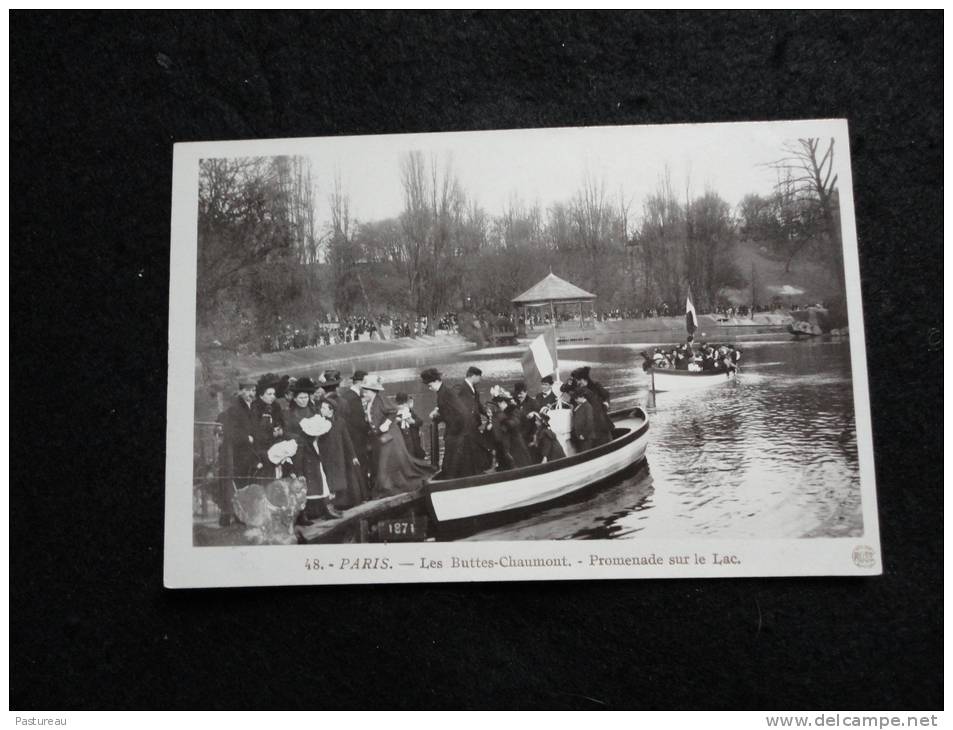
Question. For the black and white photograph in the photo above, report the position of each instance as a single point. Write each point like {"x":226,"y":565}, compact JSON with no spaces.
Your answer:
{"x":464,"y":360}
{"x":624,"y":334}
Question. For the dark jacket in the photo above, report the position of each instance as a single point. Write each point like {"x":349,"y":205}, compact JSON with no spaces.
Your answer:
{"x":341,"y":405}
{"x":293,"y":422}
{"x":266,"y":418}
{"x":471,"y":403}
{"x":356,"y":423}
{"x":527,"y":424}
{"x":509,"y":430}
{"x":601,"y":423}
{"x":547,"y":445}
{"x":583,"y":426}
{"x":307,"y":461}
{"x":547,"y":400}
{"x":452,"y":411}
{"x":462,"y":455}
{"x":238,"y":456}
{"x":337,"y":455}
{"x":411,"y":436}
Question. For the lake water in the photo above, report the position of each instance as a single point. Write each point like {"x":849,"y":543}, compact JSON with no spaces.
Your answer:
{"x":771,"y":455}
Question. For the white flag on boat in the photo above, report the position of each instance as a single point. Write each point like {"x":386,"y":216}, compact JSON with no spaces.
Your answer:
{"x":540,"y":360}
{"x":691,"y":319}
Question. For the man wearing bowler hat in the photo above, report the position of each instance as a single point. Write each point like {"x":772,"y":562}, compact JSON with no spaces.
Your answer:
{"x":329,"y":382}
{"x":458,"y":451}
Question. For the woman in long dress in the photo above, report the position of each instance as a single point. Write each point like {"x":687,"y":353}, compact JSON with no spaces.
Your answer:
{"x":339,"y":458}
{"x":307,"y":461}
{"x":396,"y":469}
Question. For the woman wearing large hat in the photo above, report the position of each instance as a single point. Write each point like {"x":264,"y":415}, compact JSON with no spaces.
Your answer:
{"x":304,"y":428}
{"x":395,"y":469}
{"x":268,"y":417}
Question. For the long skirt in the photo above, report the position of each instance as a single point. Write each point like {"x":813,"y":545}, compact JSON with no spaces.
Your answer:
{"x":396,"y":470}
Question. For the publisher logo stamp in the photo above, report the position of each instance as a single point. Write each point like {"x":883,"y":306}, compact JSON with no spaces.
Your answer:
{"x":863,"y":556}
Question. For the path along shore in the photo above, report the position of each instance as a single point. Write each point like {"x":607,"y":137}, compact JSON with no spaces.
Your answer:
{"x":228,"y":368}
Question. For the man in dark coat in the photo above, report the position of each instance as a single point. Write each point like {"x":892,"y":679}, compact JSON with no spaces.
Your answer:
{"x":357,"y":428}
{"x":459,"y":451}
{"x":237,"y":458}
{"x":527,"y":407}
{"x":470,"y":398}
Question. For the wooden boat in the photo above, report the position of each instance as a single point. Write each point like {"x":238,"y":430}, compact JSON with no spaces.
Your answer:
{"x":668,"y":379}
{"x":496,"y":493}
{"x":803,"y":328}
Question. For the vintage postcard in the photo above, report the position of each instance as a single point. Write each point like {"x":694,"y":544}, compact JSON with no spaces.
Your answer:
{"x":606,"y":352}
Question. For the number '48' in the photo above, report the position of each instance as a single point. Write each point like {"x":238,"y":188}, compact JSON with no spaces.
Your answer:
{"x":313,"y":564}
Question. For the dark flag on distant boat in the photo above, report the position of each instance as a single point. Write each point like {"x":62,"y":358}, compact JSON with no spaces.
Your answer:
{"x":691,"y":319}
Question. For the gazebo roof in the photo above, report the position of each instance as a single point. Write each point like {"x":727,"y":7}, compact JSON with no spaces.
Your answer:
{"x":553,"y":289}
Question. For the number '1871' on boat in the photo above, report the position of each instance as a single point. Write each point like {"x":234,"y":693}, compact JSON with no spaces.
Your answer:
{"x":515,"y":490}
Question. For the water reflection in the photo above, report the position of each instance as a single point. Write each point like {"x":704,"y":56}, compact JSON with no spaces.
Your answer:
{"x":771,"y":454}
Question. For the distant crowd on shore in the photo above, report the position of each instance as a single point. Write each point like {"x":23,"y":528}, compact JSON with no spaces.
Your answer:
{"x":371,"y":328}
{"x":289,"y":336}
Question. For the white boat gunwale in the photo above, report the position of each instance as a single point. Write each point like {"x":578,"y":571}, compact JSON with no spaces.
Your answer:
{"x":477,"y":480}
{"x":691,"y":373}
{"x":700,"y":378}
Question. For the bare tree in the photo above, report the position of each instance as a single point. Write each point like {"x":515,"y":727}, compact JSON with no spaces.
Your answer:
{"x":660,"y":239}
{"x":342,"y":254}
{"x":434,"y":209}
{"x":807,"y":177}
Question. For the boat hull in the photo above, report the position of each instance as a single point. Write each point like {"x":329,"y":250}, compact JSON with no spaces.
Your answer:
{"x":532,"y":486}
{"x":664,"y":381}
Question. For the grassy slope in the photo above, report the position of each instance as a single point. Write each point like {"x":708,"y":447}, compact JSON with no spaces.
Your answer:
{"x":817,"y":281}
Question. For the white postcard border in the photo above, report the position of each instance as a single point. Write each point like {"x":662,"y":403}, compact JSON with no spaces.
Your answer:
{"x":188,"y":566}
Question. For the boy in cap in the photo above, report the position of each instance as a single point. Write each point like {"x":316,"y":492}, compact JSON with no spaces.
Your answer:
{"x":598,"y":398}
{"x":546,"y":398}
{"x":583,"y":423}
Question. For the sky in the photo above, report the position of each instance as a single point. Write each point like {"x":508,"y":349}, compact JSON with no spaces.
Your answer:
{"x":550,"y":165}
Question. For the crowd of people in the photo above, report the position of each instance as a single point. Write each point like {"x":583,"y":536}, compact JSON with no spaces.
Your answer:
{"x":512,"y":429}
{"x":291,"y":337}
{"x":288,"y":336}
{"x":352,"y":443}
{"x":707,"y":358}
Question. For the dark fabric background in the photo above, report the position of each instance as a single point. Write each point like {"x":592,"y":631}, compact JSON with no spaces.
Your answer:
{"x":97,"y":101}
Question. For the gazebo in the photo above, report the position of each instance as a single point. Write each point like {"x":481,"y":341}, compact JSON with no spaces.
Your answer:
{"x":553,"y":292}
